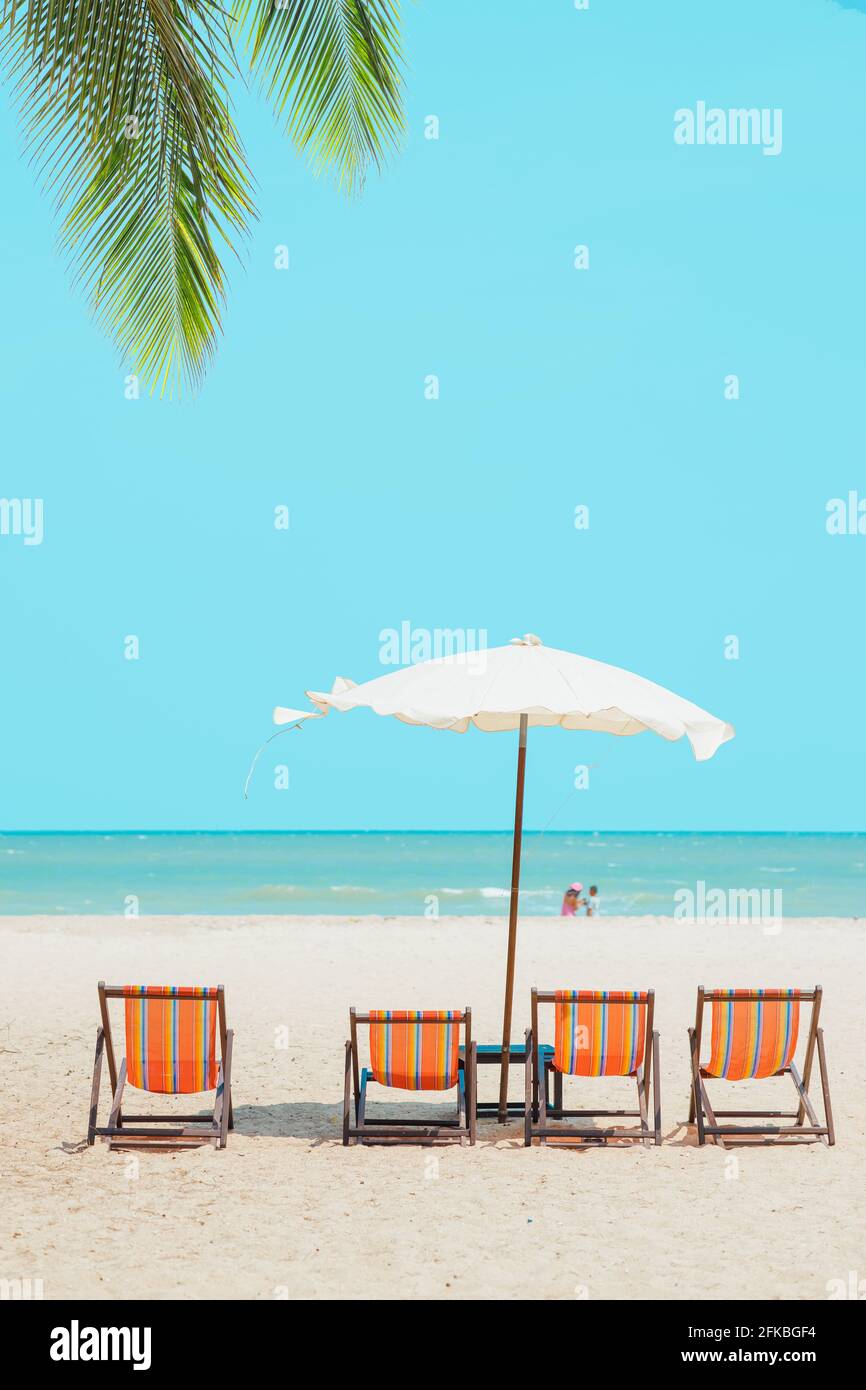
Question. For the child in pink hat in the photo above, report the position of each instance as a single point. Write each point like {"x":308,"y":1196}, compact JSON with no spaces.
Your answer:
{"x":572,"y":900}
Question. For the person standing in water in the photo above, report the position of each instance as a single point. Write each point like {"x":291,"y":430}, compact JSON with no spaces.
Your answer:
{"x":593,"y":902}
{"x":572,"y":900}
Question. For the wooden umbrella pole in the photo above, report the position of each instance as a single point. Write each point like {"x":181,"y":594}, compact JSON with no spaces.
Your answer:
{"x":512,"y":921}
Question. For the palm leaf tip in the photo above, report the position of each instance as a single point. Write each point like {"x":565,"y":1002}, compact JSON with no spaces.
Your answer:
{"x":333,"y":70}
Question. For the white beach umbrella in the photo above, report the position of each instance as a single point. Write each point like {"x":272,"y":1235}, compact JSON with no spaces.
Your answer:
{"x":519,"y":686}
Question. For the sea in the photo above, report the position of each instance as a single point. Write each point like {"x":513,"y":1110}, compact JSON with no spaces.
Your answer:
{"x":423,"y":873}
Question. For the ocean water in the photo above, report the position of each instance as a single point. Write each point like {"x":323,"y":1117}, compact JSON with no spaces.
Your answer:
{"x":387,"y":873}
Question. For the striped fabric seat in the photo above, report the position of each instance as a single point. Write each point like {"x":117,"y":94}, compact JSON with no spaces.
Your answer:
{"x":599,"y":1032}
{"x":752,"y":1038}
{"x":415,"y":1050}
{"x":171,"y":1038}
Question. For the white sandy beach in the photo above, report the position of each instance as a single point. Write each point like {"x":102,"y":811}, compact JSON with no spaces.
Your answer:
{"x":286,"y":1211}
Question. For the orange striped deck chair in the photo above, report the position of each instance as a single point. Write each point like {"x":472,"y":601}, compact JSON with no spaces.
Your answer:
{"x":411,"y":1050}
{"x":753,"y":1036}
{"x":172,"y":1033}
{"x":597,"y":1033}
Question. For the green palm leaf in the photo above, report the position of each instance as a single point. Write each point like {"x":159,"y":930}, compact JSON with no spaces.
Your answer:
{"x":126,"y":114}
{"x":333,"y":67}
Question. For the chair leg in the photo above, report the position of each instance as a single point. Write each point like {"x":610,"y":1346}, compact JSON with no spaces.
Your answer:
{"x":825,"y":1089}
{"x":542,"y":1097}
{"x":361,"y":1108}
{"x":227,"y":1090}
{"x":657,"y":1093}
{"x":115,"y":1120}
{"x":642,"y":1105}
{"x":220,"y":1108}
{"x":696,"y":1111}
{"x":94,"y":1088}
{"x":472,"y":1090}
{"x":347,"y":1094}
{"x":529,"y":1093}
{"x":708,"y":1109}
{"x":535,"y":1081}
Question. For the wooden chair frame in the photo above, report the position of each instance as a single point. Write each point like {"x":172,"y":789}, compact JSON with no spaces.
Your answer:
{"x":537,"y":1094}
{"x":701,"y":1111}
{"x":209,"y":1128}
{"x":411,"y":1131}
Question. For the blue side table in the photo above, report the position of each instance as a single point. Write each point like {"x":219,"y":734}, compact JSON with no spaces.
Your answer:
{"x":490,"y":1055}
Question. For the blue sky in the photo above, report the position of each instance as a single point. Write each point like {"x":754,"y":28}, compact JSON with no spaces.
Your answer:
{"x":558,"y":387}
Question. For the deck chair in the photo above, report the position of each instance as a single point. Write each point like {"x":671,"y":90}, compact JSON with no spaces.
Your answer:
{"x":754,"y":1034}
{"x":411,"y":1050}
{"x":170,"y":1050}
{"x":597,"y":1033}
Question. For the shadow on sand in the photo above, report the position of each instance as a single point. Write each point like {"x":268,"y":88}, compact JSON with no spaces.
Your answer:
{"x":314,"y":1121}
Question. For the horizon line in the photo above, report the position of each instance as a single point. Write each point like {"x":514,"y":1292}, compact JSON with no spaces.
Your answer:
{"x":390,"y":830}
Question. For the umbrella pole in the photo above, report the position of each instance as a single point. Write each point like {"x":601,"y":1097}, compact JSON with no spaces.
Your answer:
{"x":512,"y":921}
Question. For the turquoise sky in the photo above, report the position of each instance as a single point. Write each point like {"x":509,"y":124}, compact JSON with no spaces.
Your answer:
{"x":602,"y":387}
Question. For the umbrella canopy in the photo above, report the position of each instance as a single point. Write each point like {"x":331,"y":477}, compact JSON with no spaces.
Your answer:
{"x":492,"y":688}
{"x":517,"y":687}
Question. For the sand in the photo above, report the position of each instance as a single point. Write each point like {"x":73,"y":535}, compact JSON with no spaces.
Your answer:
{"x":286,"y":1211}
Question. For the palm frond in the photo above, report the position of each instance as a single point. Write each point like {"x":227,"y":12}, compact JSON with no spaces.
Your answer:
{"x":126,"y":113}
{"x":334,"y":68}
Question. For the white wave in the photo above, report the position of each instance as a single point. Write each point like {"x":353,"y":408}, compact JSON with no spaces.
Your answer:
{"x":273,"y":890}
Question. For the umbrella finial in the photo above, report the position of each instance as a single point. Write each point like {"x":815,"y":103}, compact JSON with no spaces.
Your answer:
{"x":528,"y":639}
